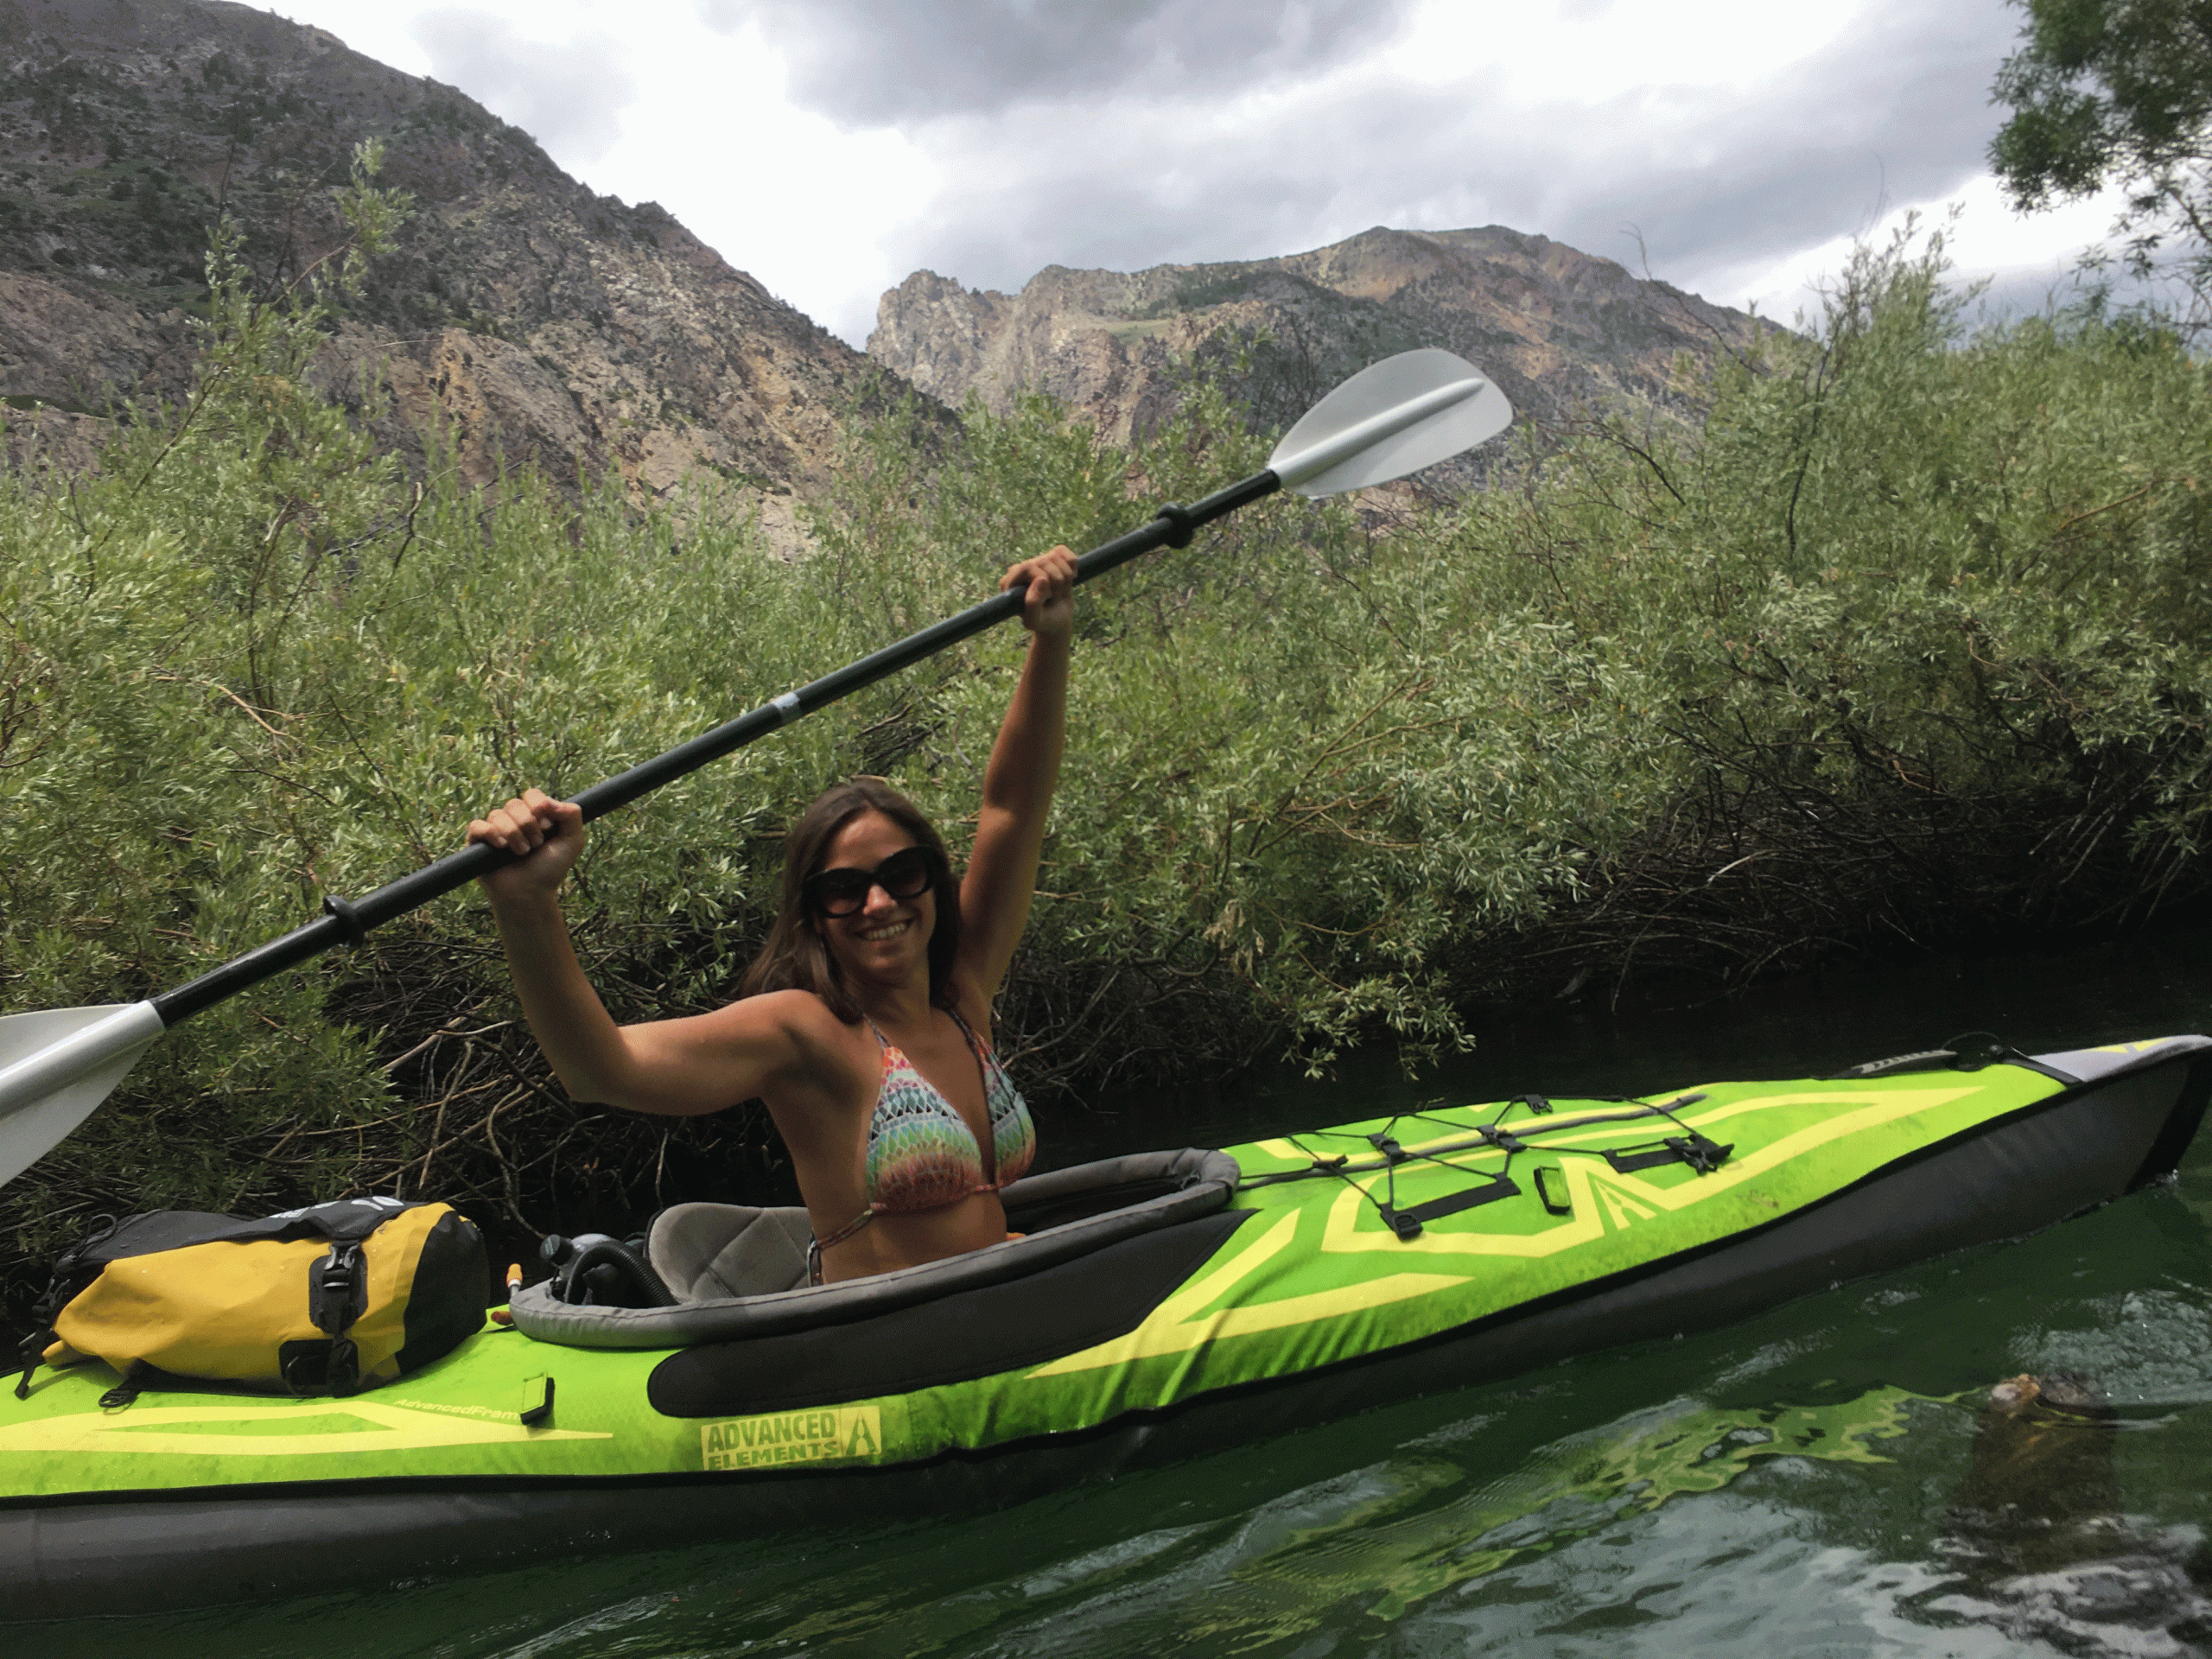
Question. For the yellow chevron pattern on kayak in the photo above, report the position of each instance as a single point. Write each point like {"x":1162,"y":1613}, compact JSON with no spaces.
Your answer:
{"x":1625,"y":1198}
{"x":1180,"y":1325}
{"x":159,"y":1429}
{"x":1177,"y":1325}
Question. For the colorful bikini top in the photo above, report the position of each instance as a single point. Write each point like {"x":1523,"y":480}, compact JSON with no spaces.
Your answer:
{"x":921,"y":1153}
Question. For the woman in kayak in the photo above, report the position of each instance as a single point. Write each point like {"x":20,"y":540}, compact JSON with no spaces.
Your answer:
{"x":866,"y":1020}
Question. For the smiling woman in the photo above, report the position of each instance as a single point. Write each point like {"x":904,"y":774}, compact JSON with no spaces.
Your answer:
{"x":865,"y":1025}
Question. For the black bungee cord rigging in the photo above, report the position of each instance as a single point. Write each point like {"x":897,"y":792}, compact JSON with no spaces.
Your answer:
{"x":1693,"y":1148}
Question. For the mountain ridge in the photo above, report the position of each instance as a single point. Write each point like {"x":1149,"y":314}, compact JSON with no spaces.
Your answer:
{"x":1561,"y":331}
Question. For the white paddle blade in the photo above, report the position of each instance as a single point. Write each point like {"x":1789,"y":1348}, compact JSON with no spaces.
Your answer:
{"x":56,"y":1064}
{"x":1394,"y":417}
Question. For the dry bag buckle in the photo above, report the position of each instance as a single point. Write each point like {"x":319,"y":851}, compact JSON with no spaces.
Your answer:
{"x":338,"y":1294}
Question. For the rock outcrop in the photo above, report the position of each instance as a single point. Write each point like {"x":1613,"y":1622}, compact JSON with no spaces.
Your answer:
{"x":543,"y":323}
{"x":1562,"y":332}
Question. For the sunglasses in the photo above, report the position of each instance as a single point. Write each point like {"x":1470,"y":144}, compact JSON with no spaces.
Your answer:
{"x":906,"y":875}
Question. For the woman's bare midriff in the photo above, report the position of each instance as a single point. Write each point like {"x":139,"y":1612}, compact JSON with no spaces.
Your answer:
{"x":890,"y":1242}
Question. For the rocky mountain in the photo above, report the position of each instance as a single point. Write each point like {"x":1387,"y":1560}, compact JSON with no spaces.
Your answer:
{"x":1561,"y":332}
{"x":543,"y":323}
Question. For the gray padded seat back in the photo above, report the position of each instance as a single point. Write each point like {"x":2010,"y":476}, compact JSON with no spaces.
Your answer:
{"x":708,"y":1252}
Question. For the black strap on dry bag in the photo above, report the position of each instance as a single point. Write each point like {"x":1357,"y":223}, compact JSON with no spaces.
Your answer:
{"x":338,"y":1294}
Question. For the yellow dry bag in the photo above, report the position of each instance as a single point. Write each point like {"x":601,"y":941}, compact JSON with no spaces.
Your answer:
{"x":327,"y":1300}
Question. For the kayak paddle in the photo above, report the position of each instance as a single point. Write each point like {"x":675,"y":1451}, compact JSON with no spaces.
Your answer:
{"x":1394,"y":417}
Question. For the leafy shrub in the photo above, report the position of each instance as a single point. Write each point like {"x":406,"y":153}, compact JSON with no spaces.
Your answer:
{"x":1915,"y":622}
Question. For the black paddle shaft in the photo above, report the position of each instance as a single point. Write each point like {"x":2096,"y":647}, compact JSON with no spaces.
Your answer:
{"x":344,"y":922}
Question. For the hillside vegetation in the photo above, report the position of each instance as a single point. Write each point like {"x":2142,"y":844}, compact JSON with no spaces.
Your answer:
{"x":1907,"y":643}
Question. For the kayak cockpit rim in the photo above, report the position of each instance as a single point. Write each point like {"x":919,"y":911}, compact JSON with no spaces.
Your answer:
{"x":740,"y":1272}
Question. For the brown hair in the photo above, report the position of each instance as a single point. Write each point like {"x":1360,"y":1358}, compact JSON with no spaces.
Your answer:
{"x":794,"y":959}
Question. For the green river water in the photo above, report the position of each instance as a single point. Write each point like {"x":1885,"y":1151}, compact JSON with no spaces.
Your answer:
{"x":1818,"y":1481}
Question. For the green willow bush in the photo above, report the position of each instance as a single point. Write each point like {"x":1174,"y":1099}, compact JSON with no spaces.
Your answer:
{"x":1906,"y":637}
{"x":1916,"y":624}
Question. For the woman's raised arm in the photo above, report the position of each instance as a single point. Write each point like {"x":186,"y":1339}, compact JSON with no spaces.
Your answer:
{"x":683,"y":1066}
{"x":1018,"y":785}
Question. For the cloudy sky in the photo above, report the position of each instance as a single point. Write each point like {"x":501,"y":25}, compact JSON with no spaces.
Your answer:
{"x":830,"y":147}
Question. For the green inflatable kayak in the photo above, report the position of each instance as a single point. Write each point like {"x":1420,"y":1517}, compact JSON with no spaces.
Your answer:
{"x":1160,"y":1305}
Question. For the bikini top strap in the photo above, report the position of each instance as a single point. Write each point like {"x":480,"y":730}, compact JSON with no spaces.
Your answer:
{"x":974,"y":1041}
{"x":988,"y":1070}
{"x":881,"y":1041}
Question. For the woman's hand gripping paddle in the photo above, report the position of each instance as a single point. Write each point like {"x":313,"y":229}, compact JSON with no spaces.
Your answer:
{"x":1403,"y":414}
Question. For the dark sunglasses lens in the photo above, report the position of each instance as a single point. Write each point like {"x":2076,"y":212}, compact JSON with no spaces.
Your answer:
{"x":905,"y":875}
{"x":840,"y":892}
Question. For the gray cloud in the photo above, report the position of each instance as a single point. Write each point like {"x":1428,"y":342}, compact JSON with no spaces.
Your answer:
{"x":875,"y":62}
{"x":568,"y":97}
{"x":1712,"y":182}
{"x":1895,"y":114}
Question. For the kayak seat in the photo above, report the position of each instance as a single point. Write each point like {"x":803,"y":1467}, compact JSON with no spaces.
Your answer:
{"x":738,"y":1273}
{"x":705,"y":1252}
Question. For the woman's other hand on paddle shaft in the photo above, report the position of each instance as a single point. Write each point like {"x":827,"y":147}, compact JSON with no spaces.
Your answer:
{"x":1048,"y":607}
{"x":546,"y":836}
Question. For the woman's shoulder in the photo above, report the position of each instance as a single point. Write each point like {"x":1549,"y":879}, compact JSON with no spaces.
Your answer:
{"x":800,"y":1014}
{"x":814,"y":1052}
